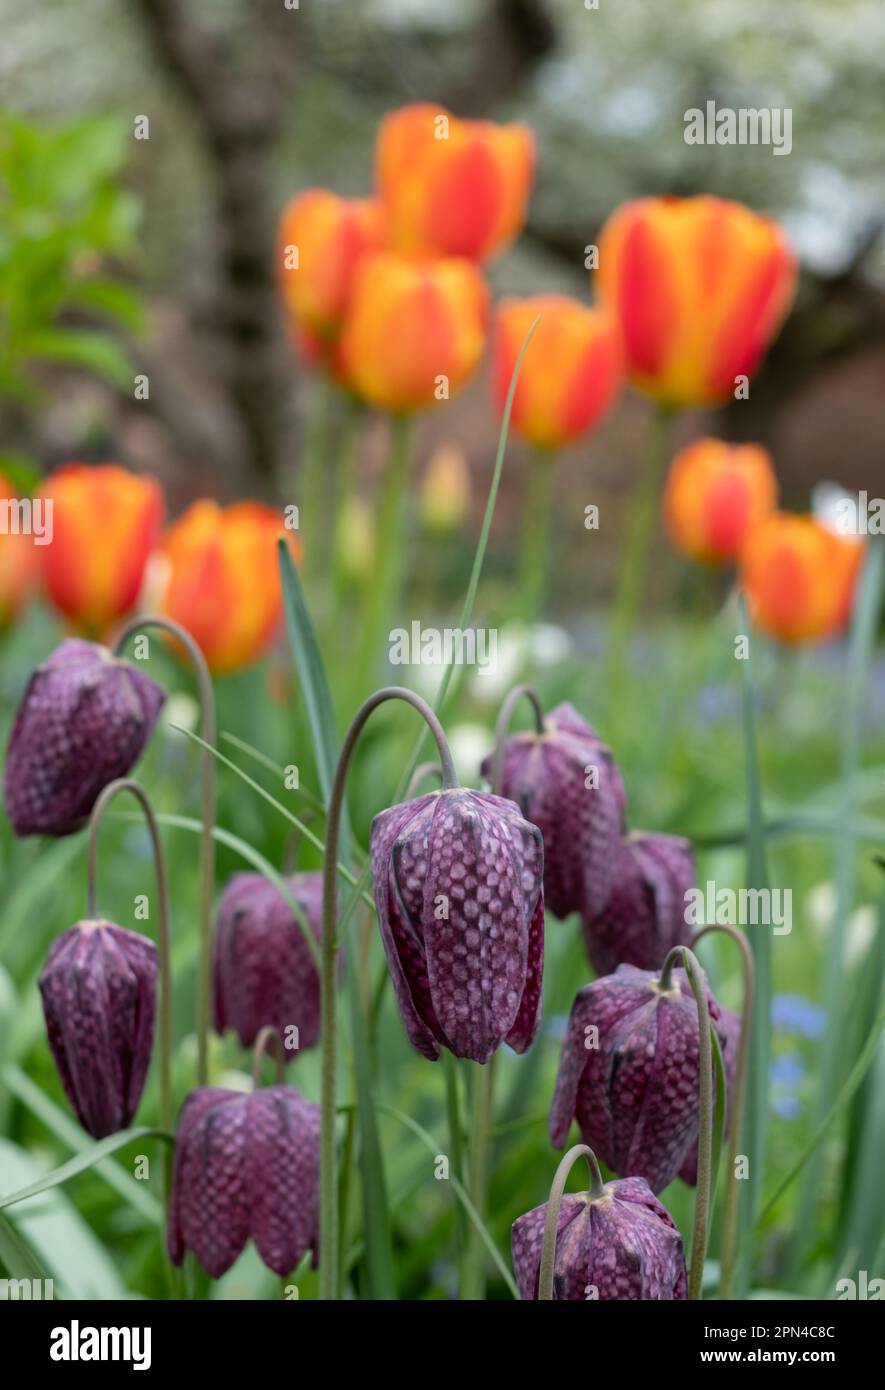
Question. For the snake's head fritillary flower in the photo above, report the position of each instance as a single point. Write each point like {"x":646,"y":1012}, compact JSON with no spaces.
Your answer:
{"x":715,"y":496}
{"x":452,"y":187}
{"x":105,"y":524}
{"x":265,"y":974}
{"x":629,"y":1073}
{"x":218,"y":576}
{"x":457,"y":878}
{"x":414,"y":332}
{"x":99,"y":989}
{"x":645,"y":915}
{"x":245,"y":1165}
{"x":699,"y":287}
{"x":566,"y":782}
{"x":800,"y":577}
{"x":728,"y":1030}
{"x":620,"y":1245}
{"x":571,"y":373}
{"x":321,"y":240}
{"x":83,"y":721}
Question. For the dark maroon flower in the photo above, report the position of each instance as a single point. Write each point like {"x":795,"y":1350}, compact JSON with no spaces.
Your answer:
{"x":84,"y":720}
{"x":265,"y":974}
{"x":99,"y":989}
{"x":645,"y":913}
{"x":622,"y":1245}
{"x":457,"y":879}
{"x":246,"y":1164}
{"x":629,"y":1073}
{"x":728,"y":1030}
{"x":566,"y":782}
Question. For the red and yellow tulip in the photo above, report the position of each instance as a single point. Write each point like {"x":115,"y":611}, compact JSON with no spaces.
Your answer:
{"x":18,"y":564}
{"x":414,"y":331}
{"x":715,"y":496}
{"x":321,"y":241}
{"x":217,"y":574}
{"x":699,"y":287}
{"x":452,"y":187}
{"x":105,"y":523}
{"x":571,"y":373}
{"x":799,"y":577}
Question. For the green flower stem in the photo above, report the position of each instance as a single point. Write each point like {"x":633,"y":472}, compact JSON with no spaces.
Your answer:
{"x":736,"y":1117}
{"x":207,"y":843}
{"x":313,"y":475}
{"x":502,"y":727}
{"x":533,"y":569}
{"x":483,"y":1078}
{"x":382,"y":595}
{"x":456,"y":1140}
{"x":268,"y":1041}
{"x":421,"y":771}
{"x":164,"y":945}
{"x":703,"y":1193}
{"x":633,"y":572}
{"x":554,"y":1202}
{"x":328,"y":1281}
{"x":345,"y":482}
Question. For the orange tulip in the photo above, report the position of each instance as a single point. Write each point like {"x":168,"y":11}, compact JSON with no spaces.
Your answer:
{"x":451,"y":187}
{"x":415,"y":331}
{"x":715,"y":496}
{"x":218,"y":576}
{"x":700,"y":287}
{"x":105,"y":522}
{"x":321,"y":240}
{"x":571,"y":373}
{"x":799,"y":577}
{"x":18,"y":560}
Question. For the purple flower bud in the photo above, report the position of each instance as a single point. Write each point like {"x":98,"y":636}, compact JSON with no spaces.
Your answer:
{"x":246,"y":1164}
{"x":645,"y":913}
{"x":629,"y":1073}
{"x":84,"y":720}
{"x":728,"y":1030}
{"x":566,"y":782}
{"x":99,"y":989}
{"x":265,"y":974}
{"x":622,"y":1245}
{"x":457,"y":879}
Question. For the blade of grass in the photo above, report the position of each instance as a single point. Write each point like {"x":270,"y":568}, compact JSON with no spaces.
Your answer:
{"x":83,"y":1161}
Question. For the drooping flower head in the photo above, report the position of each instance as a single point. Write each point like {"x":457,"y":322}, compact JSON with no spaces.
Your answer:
{"x":265,"y":975}
{"x":245,"y":1165}
{"x":800,"y":577}
{"x":99,"y":989}
{"x":644,"y":916}
{"x":457,"y":878}
{"x":629,"y":1072}
{"x":715,"y":496}
{"x":699,"y":287}
{"x":452,"y":187}
{"x":571,"y":373}
{"x":83,"y":721}
{"x":321,"y":239}
{"x":620,"y":1245}
{"x":105,"y":523}
{"x":566,"y":782}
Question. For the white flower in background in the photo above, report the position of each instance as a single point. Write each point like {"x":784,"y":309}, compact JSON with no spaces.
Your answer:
{"x":469,"y":744}
{"x":182,"y":710}
{"x":520,"y":648}
{"x":831,"y":503}
{"x":860,"y":929}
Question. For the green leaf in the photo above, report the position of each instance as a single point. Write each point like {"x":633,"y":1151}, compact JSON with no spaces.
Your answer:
{"x":80,"y":347}
{"x":16,"y":1256}
{"x":82,"y":1162}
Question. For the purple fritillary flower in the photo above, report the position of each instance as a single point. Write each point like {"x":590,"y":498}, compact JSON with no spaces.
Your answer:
{"x":83,"y":721}
{"x":622,"y":1245}
{"x":645,"y":913}
{"x":457,"y":878}
{"x":265,"y":974}
{"x":246,"y":1164}
{"x":728,"y":1030}
{"x":546,"y":775}
{"x":629,"y":1073}
{"x":99,"y":989}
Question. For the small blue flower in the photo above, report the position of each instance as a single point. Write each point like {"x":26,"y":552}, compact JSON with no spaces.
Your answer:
{"x":793,"y":1013}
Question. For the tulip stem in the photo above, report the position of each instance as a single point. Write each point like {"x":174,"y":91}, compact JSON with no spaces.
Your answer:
{"x":268,"y":1041}
{"x":473,"y":1277}
{"x":502,"y":727}
{"x":703,"y":1193}
{"x":736,"y":1117}
{"x":382,"y":595}
{"x":328,"y":1280}
{"x":345,"y":478}
{"x":164,"y":945}
{"x":313,"y":473}
{"x":633,"y":571}
{"x":554,"y":1202}
{"x":207,"y":842}
{"x":533,"y":571}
